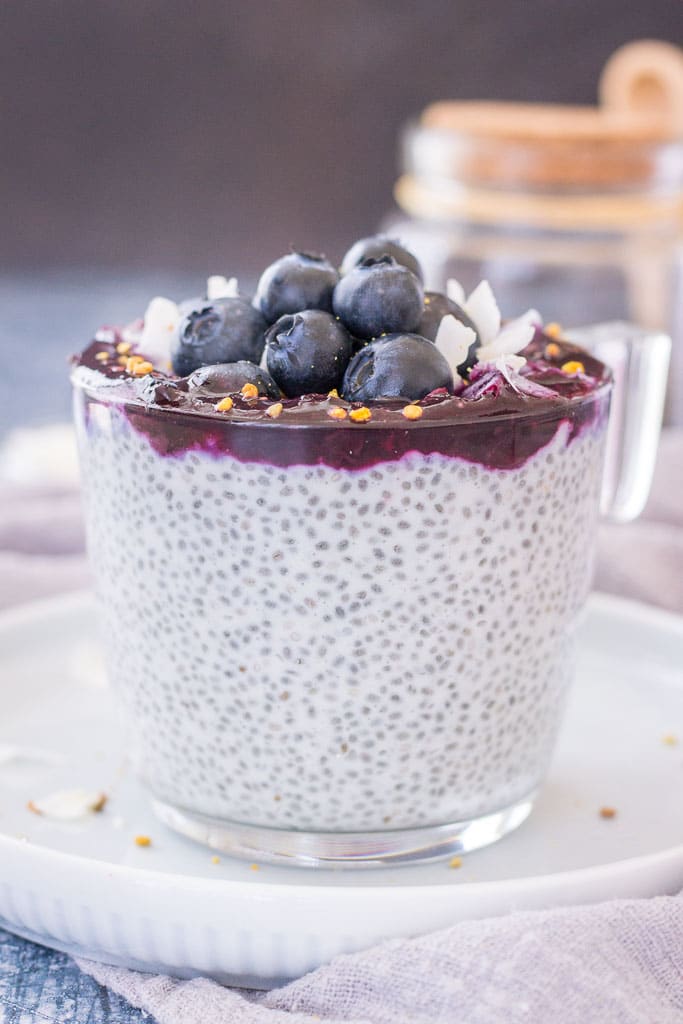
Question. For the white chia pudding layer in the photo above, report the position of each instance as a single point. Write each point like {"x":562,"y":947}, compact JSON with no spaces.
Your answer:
{"x":332,"y":650}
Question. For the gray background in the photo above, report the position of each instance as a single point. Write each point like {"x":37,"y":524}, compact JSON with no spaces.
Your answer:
{"x":154,"y":133}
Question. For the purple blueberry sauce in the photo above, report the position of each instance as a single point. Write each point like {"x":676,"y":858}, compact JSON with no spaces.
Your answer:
{"x":499,"y":425}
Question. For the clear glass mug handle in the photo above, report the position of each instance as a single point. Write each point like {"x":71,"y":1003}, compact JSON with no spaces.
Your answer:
{"x":639,"y":360}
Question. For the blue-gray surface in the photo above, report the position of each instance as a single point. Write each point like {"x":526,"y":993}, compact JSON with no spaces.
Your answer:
{"x":48,"y":316}
{"x":39,"y":986}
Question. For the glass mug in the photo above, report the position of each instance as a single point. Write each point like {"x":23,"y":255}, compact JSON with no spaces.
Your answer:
{"x":351,"y":645}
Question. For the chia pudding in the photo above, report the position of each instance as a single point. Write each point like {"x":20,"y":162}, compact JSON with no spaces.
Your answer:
{"x":332,"y":609}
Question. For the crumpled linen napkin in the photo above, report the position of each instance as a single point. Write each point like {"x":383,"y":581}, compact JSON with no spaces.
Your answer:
{"x":615,"y":962}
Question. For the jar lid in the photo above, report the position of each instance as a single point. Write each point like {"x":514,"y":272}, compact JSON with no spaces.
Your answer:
{"x":546,"y":123}
{"x":629,"y":146}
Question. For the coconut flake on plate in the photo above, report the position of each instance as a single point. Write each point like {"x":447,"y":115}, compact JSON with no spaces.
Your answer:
{"x":69,"y":804}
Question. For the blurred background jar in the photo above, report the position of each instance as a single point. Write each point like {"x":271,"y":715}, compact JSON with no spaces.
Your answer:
{"x":577,"y":211}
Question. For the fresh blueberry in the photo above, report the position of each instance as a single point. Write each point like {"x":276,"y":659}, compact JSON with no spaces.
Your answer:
{"x":295,"y":282}
{"x":379,"y":297}
{"x":436,"y":307}
{"x":401,"y":365}
{"x":308,"y":352}
{"x":212,"y":382}
{"x":222,"y":331}
{"x":374,"y":248}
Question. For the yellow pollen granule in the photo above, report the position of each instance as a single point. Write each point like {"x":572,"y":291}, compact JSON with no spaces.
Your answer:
{"x":123,"y":348}
{"x":130,"y":362}
{"x":552,"y":350}
{"x":573,"y":366}
{"x":143,"y":841}
{"x":455,"y":862}
{"x":254,"y":867}
{"x":140,"y":369}
{"x":101,"y":357}
{"x":553,"y":330}
{"x":225,"y":404}
{"x":361,"y":415}
{"x":215,"y":860}
{"x":411,"y":412}
{"x":670,"y":740}
{"x":333,"y":393}
{"x":608,"y":812}
{"x":337,"y":413}
{"x":274,"y":410}
{"x":249,"y":391}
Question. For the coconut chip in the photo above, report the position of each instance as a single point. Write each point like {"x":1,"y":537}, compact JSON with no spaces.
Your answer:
{"x":219,"y":287}
{"x":453,"y":340}
{"x":69,"y":804}
{"x":161,"y":320}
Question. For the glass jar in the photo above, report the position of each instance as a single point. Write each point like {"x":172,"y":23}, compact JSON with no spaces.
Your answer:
{"x":349,"y":643}
{"x":575,"y":211}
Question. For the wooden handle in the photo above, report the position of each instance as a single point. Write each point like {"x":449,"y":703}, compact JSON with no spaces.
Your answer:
{"x":645,"y":78}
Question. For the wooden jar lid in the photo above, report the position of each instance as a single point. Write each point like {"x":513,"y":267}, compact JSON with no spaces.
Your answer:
{"x":632,"y":143}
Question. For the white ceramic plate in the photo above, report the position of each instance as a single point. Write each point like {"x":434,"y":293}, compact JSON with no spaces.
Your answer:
{"x":87,"y":888}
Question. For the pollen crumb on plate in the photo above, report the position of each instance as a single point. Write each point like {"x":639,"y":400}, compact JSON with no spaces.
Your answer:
{"x":553,"y":329}
{"x":123,"y":348}
{"x":225,"y":404}
{"x":215,"y":859}
{"x":249,"y":390}
{"x":455,"y":862}
{"x":274,"y":410}
{"x":412,"y":412}
{"x":143,"y":841}
{"x":670,"y":740}
{"x":608,"y":812}
{"x":337,"y":413}
{"x":361,"y":415}
{"x":254,"y":867}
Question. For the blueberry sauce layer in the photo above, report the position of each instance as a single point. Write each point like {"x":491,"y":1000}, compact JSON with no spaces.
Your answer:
{"x":491,"y":419}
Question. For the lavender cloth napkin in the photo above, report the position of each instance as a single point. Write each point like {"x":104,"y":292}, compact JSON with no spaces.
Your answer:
{"x":614,"y":963}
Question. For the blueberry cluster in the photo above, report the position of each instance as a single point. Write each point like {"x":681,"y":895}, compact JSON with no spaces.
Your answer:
{"x":366,"y":329}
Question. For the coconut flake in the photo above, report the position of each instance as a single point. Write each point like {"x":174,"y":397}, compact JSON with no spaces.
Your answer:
{"x":509,"y":366}
{"x":105,"y":335}
{"x":69,"y":804}
{"x":512,"y":337}
{"x":482,"y":308}
{"x":162,"y":317}
{"x":455,"y":291}
{"x":219,"y":287}
{"x":453,"y":340}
